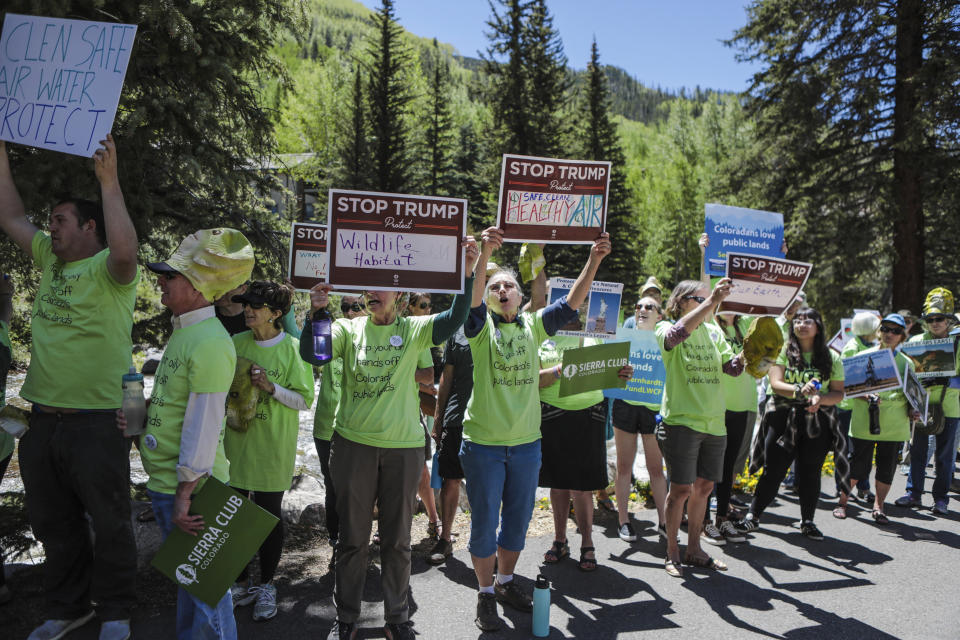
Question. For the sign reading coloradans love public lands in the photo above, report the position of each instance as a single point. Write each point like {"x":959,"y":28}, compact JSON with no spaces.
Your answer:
{"x":207,"y":564}
{"x":740,"y":230}
{"x":551,"y":200}
{"x":395,"y":242}
{"x":649,"y":374}
{"x":593,"y":368}
{"x":60,"y":81}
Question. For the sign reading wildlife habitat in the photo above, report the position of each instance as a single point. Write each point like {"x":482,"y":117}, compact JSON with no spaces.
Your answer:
{"x":741,"y":230}
{"x":395,"y":242}
{"x":207,"y":564}
{"x":60,"y":81}
{"x":308,"y":255}
{"x":593,"y":368}
{"x":597,"y":317}
{"x":870,"y":372}
{"x":932,"y":358}
{"x":550,"y":200}
{"x":649,"y":374}
{"x":763,"y":286}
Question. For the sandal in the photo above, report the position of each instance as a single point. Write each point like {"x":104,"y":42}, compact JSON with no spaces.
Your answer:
{"x":674,"y":569}
{"x":587,"y":564}
{"x":607,"y":505}
{"x":557,"y":552}
{"x":433,"y":529}
{"x":705,"y":563}
{"x":840,"y":512}
{"x":880,"y":517}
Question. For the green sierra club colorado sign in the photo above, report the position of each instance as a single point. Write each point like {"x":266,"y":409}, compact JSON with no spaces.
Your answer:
{"x":208,"y":563}
{"x":593,"y":368}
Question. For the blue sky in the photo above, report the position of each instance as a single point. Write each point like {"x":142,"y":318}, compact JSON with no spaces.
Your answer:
{"x":670,"y":43}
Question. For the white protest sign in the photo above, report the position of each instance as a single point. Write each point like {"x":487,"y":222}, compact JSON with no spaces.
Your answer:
{"x":60,"y":81}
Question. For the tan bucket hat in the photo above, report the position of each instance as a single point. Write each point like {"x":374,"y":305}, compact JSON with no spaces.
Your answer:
{"x":213,"y":260}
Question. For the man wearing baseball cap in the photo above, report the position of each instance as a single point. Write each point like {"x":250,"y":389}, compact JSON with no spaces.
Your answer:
{"x":183,"y":441}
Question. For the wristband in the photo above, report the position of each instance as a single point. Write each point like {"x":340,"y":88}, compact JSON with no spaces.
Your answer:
{"x":796,"y":390}
{"x":556,"y":372}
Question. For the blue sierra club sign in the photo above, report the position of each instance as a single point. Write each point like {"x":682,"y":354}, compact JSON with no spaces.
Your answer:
{"x":60,"y":81}
{"x":743,"y":231}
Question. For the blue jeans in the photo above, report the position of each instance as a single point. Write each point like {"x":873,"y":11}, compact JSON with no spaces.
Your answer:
{"x":195,"y":619}
{"x":944,"y":461}
{"x":495,"y":476}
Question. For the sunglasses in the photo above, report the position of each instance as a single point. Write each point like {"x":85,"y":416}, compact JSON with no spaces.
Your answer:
{"x":896,"y":330}
{"x":936,"y":319}
{"x":698,"y":299}
{"x":170,"y":275}
{"x":254,"y":305}
{"x":648,"y":307}
{"x":424,"y":305}
{"x":355,"y":307}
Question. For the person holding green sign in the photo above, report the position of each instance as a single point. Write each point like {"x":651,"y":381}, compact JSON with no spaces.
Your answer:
{"x":692,"y":434}
{"x":376,"y":452}
{"x":263,"y":451}
{"x":500,"y":453}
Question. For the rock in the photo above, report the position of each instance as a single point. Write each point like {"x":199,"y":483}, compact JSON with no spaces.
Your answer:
{"x":304,"y":502}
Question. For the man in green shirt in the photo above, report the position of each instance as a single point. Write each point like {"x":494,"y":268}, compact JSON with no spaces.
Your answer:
{"x":73,"y":460}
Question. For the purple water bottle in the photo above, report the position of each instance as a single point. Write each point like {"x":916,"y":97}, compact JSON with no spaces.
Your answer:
{"x":322,"y":344}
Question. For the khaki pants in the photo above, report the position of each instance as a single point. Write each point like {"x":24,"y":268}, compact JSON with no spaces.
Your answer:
{"x":364,"y":476}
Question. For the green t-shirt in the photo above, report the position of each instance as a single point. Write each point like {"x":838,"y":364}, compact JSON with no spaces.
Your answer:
{"x":199,"y":358}
{"x":379,"y":405}
{"x":802,"y":376}
{"x":740,"y":392}
{"x":262,"y":458}
{"x":951,"y":399}
{"x":854,"y":346}
{"x":504,"y":409}
{"x":551,"y":354}
{"x":693,"y":393}
{"x":328,"y":397}
{"x":894,"y":419}
{"x":81,"y":324}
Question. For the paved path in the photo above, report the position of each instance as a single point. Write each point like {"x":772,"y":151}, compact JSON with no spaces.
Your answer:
{"x":863,"y":581}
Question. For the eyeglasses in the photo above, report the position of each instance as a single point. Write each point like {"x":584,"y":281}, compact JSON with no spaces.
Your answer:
{"x":698,"y":299}
{"x":896,"y":330}
{"x":424,"y":305}
{"x":936,"y":319}
{"x":355,"y":307}
{"x":648,"y":307}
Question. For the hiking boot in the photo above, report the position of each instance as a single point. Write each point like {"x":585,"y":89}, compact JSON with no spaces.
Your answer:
{"x":730,"y":533}
{"x":907,"y":500}
{"x":342,"y":631}
{"x":440,"y":552}
{"x":487,"y":617}
{"x":115,"y":630}
{"x":399,"y":631}
{"x":627,"y":533}
{"x":56,"y":629}
{"x":712,"y":535}
{"x":266,"y":606}
{"x":810,"y":530}
{"x":513,"y":595}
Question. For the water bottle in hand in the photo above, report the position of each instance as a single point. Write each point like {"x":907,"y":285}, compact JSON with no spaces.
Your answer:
{"x":322,"y":344}
{"x":134,"y":404}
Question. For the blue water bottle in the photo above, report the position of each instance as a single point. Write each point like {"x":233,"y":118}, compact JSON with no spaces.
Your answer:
{"x":322,"y":344}
{"x":541,"y":607}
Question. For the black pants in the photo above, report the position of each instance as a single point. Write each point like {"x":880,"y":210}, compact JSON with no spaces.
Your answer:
{"x":3,"y":470}
{"x":272,"y":548}
{"x":862,"y":460}
{"x":330,"y":497}
{"x":73,"y":464}
{"x":843,"y":417}
{"x":736,"y":422}
{"x":809,"y":455}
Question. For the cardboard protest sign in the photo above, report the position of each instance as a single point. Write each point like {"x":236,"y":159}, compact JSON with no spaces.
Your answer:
{"x":60,"y":81}
{"x":842,"y":337}
{"x":932,"y":358}
{"x":741,"y":230}
{"x":763,"y":286}
{"x":593,"y":368}
{"x":395,"y":242}
{"x":308,"y":255}
{"x":649,"y":374}
{"x":916,"y":394}
{"x":207,"y":564}
{"x":597,"y":317}
{"x":551,"y":200}
{"x":870,"y":372}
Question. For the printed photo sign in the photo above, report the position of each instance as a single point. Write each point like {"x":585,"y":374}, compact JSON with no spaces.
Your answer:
{"x":871,"y":372}
{"x":593,"y":368}
{"x":649,"y":374}
{"x":932,"y":358}
{"x":395,"y":242}
{"x":741,"y":230}
{"x":842,"y":337}
{"x":208,"y":563}
{"x":551,"y":200}
{"x":916,"y":394}
{"x":597,"y":317}
{"x":763,"y":286}
{"x":60,"y":81}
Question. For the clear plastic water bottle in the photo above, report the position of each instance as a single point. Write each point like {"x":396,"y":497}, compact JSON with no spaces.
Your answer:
{"x":134,"y":404}
{"x":322,"y":344}
{"x":541,"y":607}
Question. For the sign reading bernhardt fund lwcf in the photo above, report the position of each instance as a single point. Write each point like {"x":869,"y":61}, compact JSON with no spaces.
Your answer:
{"x":395,"y":242}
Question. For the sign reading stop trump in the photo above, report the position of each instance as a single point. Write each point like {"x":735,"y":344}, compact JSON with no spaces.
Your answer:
{"x":308,"y":255}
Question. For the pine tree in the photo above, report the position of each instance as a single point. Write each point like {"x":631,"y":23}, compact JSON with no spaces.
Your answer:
{"x":355,"y":154}
{"x":440,"y":133}
{"x":509,"y":90}
{"x":546,"y":80}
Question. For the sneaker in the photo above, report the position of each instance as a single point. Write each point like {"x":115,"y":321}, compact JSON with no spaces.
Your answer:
{"x":342,"y":631}
{"x":866,"y":497}
{"x":749,"y":524}
{"x":730,"y":533}
{"x":115,"y":630}
{"x":243,"y":594}
{"x":940,"y":507}
{"x":56,"y":629}
{"x":513,"y":595}
{"x":907,"y":500}
{"x":266,"y":606}
{"x":810,"y":530}
{"x":487,"y":617}
{"x":737,"y":502}
{"x":627,"y":533}
{"x":712,"y":535}
{"x":662,"y":531}
{"x":440,"y":552}
{"x":399,"y":631}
